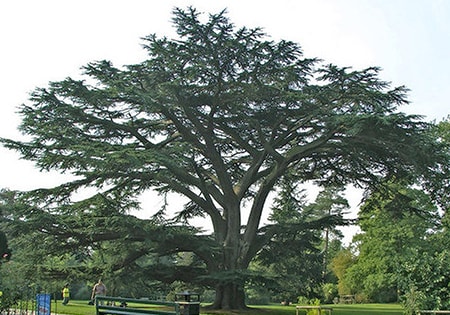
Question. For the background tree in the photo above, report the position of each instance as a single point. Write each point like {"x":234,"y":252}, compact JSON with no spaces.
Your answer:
{"x":416,"y":278}
{"x":330,"y":202}
{"x":293,"y":256}
{"x":440,"y":181}
{"x":340,"y":263}
{"x":396,"y":222}
{"x":5,"y":251}
{"x":219,"y":116}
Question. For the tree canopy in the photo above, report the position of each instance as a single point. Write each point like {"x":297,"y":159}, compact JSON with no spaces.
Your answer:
{"x":219,"y":115}
{"x":397,"y":223}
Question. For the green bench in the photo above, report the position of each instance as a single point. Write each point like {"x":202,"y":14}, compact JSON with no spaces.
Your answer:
{"x":124,"y":306}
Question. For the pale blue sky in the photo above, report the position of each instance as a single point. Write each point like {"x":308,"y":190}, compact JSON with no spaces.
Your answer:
{"x":49,"y":40}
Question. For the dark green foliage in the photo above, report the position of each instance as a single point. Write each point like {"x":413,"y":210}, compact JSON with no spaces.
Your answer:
{"x":296,"y":255}
{"x":5,"y":252}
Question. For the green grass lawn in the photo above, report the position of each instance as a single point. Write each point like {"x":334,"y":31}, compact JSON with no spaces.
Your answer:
{"x":73,"y":308}
{"x":367,"y":309}
{"x":339,"y":309}
{"x":82,"y":308}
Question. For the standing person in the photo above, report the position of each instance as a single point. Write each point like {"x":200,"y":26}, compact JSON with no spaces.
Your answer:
{"x":65,"y":294}
{"x":99,"y":289}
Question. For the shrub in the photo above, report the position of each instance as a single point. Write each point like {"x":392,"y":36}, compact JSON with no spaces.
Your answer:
{"x":413,"y":301}
{"x":330,"y":292}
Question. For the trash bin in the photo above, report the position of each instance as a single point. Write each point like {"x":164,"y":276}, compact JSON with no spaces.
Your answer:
{"x":189,"y":303}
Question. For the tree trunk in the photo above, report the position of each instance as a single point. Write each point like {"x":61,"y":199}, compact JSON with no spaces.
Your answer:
{"x":229,"y":297}
{"x":230,"y":293}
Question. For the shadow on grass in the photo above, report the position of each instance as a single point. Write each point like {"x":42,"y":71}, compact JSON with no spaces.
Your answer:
{"x":82,"y":308}
{"x":339,"y":309}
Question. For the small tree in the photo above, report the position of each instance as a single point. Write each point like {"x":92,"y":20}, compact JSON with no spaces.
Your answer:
{"x":339,"y":265}
{"x":329,"y":202}
{"x":413,"y":301}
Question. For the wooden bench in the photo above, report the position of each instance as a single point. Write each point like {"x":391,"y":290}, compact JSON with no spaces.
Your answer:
{"x":305,"y":308}
{"x":125,"y":306}
{"x":434,"y":312}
